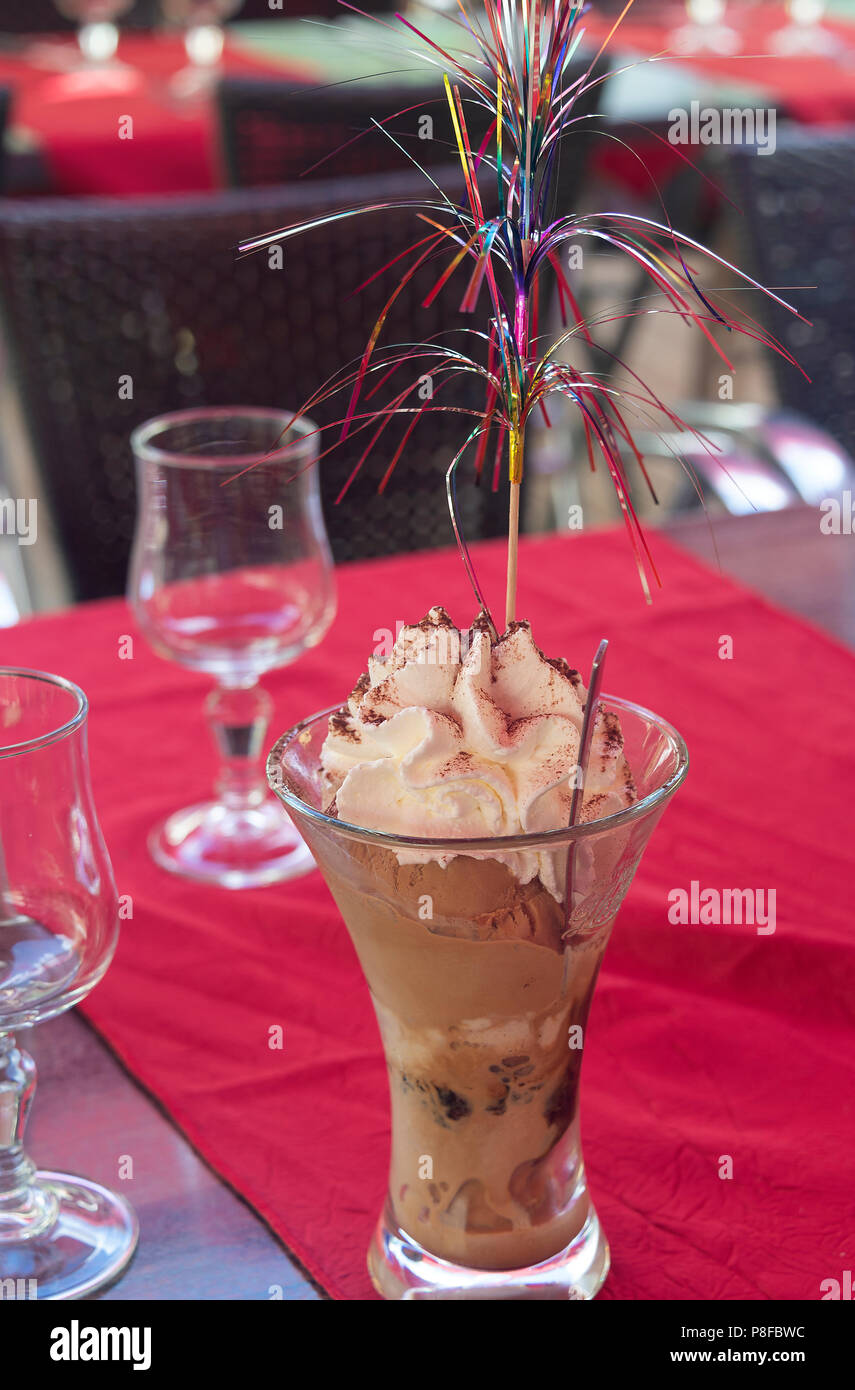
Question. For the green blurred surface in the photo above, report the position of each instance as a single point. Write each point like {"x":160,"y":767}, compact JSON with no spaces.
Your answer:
{"x":345,"y":48}
{"x":352,"y":48}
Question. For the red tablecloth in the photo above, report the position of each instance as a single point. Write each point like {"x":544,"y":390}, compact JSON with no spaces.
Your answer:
{"x":705,"y":1041}
{"x":175,"y":143}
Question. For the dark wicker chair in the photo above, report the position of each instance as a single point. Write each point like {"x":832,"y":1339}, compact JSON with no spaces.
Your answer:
{"x":5,"y":107}
{"x":42,"y":17}
{"x":93,"y":291}
{"x":273,"y":133}
{"x":799,"y":221}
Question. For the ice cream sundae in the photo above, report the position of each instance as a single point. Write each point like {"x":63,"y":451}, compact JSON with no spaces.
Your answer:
{"x":441,"y":790}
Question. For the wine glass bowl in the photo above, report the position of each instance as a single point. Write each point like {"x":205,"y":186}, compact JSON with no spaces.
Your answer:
{"x":231,"y":574}
{"x":58,"y":906}
{"x":705,"y":30}
{"x":97,"y":32}
{"x":58,"y":932}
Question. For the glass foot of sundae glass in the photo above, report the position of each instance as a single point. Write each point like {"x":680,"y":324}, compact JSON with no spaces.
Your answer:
{"x":401,"y":1268}
{"x":436,"y":803}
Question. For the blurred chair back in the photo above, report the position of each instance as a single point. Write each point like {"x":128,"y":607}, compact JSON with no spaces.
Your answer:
{"x":5,"y":107}
{"x":42,"y":17}
{"x":799,"y":218}
{"x":274,"y":133}
{"x":297,"y":9}
{"x":116,"y":311}
{"x":749,"y":458}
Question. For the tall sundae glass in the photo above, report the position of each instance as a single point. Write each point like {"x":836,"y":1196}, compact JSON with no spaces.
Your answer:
{"x":437,"y":805}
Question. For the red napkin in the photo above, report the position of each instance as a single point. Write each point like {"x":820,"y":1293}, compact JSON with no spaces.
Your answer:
{"x":706,"y":1042}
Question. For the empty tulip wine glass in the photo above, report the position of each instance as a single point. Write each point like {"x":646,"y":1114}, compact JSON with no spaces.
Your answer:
{"x":231,"y":574}
{"x":204,"y":40}
{"x":60,"y":1236}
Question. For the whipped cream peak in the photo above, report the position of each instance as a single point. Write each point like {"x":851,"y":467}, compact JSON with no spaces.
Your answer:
{"x":459,"y":735}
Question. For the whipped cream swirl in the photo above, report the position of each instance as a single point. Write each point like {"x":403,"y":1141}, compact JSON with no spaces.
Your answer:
{"x":457,"y":736}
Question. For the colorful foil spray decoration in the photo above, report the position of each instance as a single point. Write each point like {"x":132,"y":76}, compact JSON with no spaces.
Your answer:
{"x":514,"y":60}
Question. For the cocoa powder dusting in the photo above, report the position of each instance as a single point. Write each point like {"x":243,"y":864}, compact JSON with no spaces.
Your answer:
{"x":340,"y":725}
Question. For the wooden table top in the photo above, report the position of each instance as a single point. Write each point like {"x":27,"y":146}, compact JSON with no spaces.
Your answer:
{"x":199,"y":1240}
{"x":787,"y":558}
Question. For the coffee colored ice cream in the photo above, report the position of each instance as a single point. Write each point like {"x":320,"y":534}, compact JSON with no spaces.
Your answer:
{"x":481,"y":990}
{"x":476,"y":1003}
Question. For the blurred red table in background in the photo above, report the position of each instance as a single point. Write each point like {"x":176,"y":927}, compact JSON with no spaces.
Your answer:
{"x":175,"y":146}
{"x":74,"y":117}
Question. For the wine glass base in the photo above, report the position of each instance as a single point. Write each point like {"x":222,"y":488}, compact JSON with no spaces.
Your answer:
{"x":245,"y":848}
{"x":88,"y":1246}
{"x":800,"y":41}
{"x":705,"y":38}
{"x":194,"y":82}
{"x":400,"y":1268}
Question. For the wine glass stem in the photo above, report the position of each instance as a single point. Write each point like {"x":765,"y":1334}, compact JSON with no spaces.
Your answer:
{"x":26,"y":1209}
{"x":239,"y":717}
